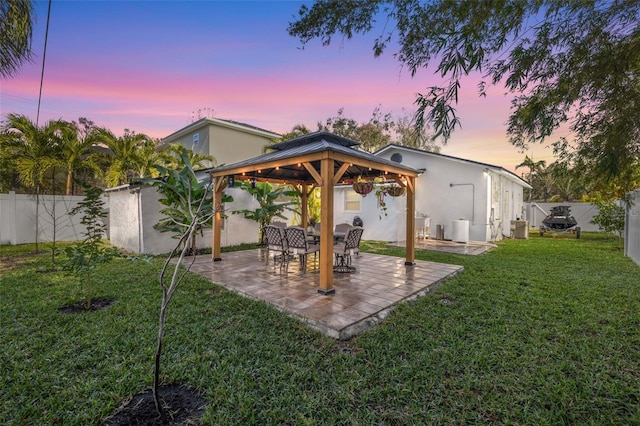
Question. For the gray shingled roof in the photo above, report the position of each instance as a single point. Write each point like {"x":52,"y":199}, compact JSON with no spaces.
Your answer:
{"x":315,"y":143}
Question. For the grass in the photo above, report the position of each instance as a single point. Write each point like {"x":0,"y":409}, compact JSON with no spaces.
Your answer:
{"x":538,"y":331}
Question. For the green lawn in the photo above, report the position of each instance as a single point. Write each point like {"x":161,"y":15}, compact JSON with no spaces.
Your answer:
{"x":539,"y":331}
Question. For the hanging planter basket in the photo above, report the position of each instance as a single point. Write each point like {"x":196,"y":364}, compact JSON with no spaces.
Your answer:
{"x":395,"y":191}
{"x":363,"y":188}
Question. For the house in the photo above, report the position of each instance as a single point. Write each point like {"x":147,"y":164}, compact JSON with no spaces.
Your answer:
{"x":135,"y":209}
{"x":228,"y":141}
{"x":476,"y":201}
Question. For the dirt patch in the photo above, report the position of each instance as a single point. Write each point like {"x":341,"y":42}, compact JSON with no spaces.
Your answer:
{"x":182,"y":407}
{"x":8,"y":262}
{"x":96,"y":305}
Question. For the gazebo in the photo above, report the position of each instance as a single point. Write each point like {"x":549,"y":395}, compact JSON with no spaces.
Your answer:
{"x":322,"y":160}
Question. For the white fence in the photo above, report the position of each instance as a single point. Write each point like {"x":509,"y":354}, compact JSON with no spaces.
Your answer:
{"x":632,"y":228}
{"x":18,"y":218}
{"x":582,"y":212}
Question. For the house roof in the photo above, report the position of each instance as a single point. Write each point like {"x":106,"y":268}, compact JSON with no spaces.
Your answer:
{"x":286,"y":160}
{"x":497,"y":169}
{"x":221,"y":123}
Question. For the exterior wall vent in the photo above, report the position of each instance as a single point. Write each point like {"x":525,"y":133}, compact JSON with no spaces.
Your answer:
{"x":397,"y":157}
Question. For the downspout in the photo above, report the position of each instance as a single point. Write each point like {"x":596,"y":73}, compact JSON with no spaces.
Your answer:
{"x":473,"y":199}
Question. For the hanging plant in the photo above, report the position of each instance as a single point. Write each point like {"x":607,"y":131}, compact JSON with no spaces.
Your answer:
{"x":363,"y":187}
{"x":395,"y":191}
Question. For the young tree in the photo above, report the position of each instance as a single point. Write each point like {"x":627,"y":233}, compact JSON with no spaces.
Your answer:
{"x":575,"y":62}
{"x":83,"y":257}
{"x":189,"y":209}
{"x":610,"y":217}
{"x":16,"y":30}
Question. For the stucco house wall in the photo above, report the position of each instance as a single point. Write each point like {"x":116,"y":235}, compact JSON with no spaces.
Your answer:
{"x":377,"y":225}
{"x":487,"y":196}
{"x":227,"y":141}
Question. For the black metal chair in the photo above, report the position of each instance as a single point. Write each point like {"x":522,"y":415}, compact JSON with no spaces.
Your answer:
{"x":276,"y":243}
{"x":298,"y":244}
{"x":344,"y":251}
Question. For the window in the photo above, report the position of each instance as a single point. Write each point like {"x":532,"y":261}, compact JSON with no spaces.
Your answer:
{"x":352,"y":200}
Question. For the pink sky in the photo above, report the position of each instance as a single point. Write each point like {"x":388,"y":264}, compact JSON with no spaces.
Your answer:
{"x":147,"y":66}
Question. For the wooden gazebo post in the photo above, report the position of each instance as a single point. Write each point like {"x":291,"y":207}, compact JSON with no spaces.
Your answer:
{"x":410,"y":255}
{"x":217,"y":220}
{"x":326,"y":227}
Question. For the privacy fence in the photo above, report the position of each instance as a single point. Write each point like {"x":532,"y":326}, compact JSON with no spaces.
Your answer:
{"x":18,"y":224}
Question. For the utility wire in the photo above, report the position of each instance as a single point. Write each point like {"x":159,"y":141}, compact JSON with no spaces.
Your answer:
{"x":44,"y":57}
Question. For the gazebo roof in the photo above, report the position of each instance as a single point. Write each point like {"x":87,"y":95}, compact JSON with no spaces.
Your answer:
{"x":285,"y":162}
{"x":318,"y":159}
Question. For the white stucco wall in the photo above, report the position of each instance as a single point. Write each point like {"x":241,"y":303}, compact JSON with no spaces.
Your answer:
{"x":451,"y":189}
{"x":134,"y":210}
{"x":18,"y":218}
{"x":124,"y":222}
{"x":376,"y":225}
{"x":632,"y":228}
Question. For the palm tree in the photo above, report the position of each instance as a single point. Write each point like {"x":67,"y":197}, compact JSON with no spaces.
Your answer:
{"x":123,"y":156}
{"x":146,"y":158}
{"x":172,"y":158}
{"x":16,"y":29}
{"x":536,"y":169}
{"x":32,"y":151}
{"x":77,"y":150}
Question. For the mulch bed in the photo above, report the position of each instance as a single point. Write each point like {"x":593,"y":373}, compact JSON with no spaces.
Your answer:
{"x":182,"y":407}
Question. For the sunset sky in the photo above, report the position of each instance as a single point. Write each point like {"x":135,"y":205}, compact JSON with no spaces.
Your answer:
{"x":149,"y":66}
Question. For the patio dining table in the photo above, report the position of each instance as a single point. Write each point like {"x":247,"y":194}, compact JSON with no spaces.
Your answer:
{"x":315,"y":236}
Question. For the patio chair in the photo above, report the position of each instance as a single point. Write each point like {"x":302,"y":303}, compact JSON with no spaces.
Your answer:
{"x":276,"y":243}
{"x":423,"y":226}
{"x":348,"y":248}
{"x":298,"y":244}
{"x":342,"y":228}
{"x":279,"y":224}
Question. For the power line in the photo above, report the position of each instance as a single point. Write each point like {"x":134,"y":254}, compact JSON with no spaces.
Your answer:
{"x":44,"y":57}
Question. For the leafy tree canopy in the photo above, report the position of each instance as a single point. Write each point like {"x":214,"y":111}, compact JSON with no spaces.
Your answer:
{"x":572,"y":62}
{"x":378,"y":132}
{"x":16,"y":30}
